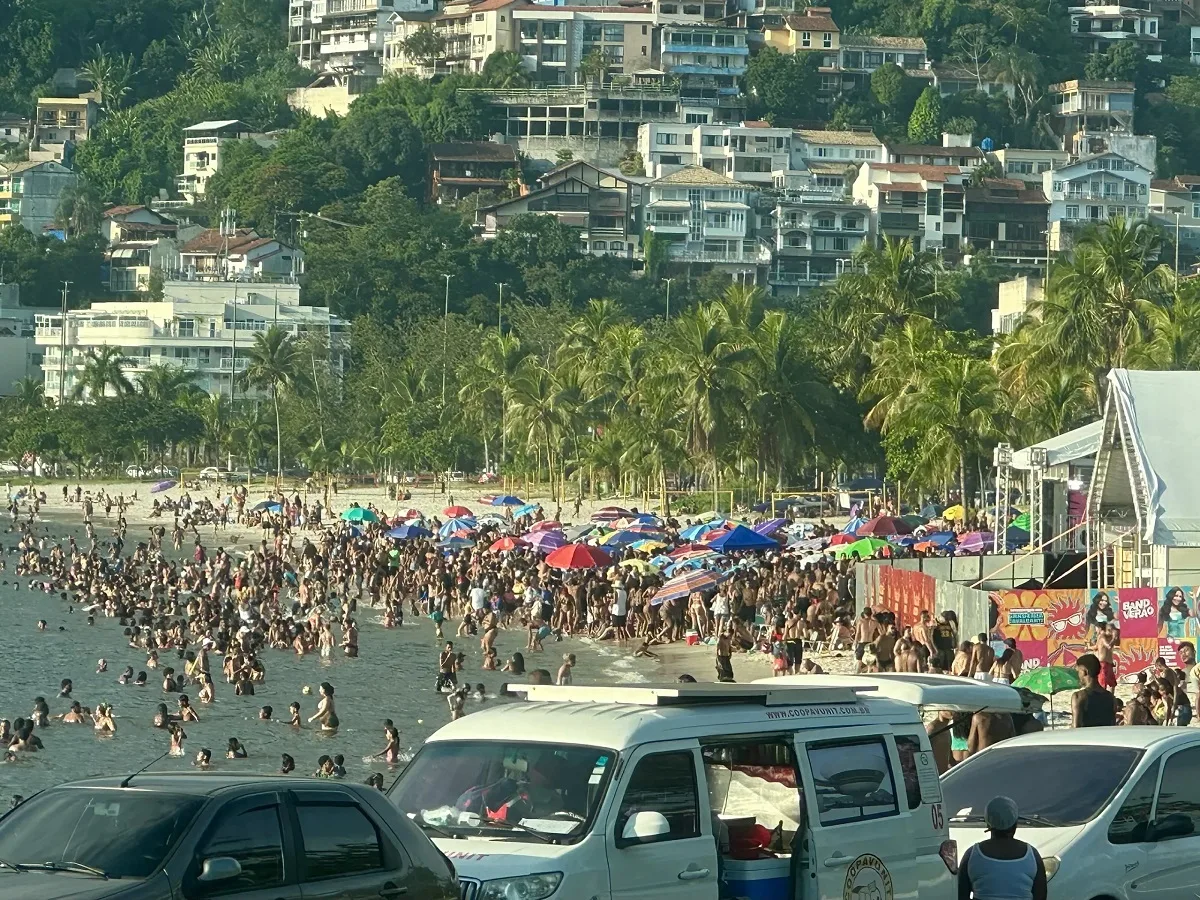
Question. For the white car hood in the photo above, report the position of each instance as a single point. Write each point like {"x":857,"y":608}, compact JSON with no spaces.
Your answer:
{"x":1047,"y":841}
{"x":484,"y":859}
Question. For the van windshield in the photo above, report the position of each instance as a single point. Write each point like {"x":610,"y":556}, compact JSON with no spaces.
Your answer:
{"x":518,"y":790}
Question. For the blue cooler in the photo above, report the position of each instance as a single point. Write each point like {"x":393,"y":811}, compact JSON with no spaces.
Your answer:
{"x":757,"y":879}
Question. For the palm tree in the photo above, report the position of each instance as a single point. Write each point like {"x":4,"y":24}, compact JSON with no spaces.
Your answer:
{"x":1174,"y":341}
{"x":215,"y":410}
{"x":251,"y":432}
{"x":29,"y":393}
{"x":110,"y":76}
{"x":274,"y":365}
{"x":535,"y":411}
{"x":167,"y":384}
{"x":502,"y":69}
{"x":79,"y":209}
{"x":487,"y":383}
{"x":900,"y":359}
{"x":103,"y":368}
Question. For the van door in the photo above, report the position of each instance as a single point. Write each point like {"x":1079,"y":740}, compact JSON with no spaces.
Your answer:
{"x":1174,"y":846}
{"x":860,"y":841}
{"x":679,"y":862}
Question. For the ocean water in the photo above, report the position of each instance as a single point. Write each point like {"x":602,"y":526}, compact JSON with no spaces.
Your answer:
{"x":393,"y":677}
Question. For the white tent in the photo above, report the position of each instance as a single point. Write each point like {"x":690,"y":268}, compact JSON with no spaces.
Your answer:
{"x":1079,"y":443}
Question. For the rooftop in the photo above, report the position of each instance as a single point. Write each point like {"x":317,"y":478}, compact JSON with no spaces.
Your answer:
{"x":1080,"y":84}
{"x":988,"y":191}
{"x":697,"y":175}
{"x":855,"y":138}
{"x":473,"y":151}
{"x":887,"y":43}
{"x":1178,"y":183}
{"x":113,"y":211}
{"x":212,"y":241}
{"x":216,"y":125}
{"x":811,"y":21}
{"x":935,"y":150}
{"x":929,"y":173}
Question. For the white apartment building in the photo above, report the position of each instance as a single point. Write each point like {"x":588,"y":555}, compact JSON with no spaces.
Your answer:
{"x":345,"y":36}
{"x":751,"y":153}
{"x":204,"y":328}
{"x":140,"y":242}
{"x":243,"y":256}
{"x":813,"y":234}
{"x":60,"y":123}
{"x":706,"y":218}
{"x":923,"y":203}
{"x":20,"y":357}
{"x":29,"y":193}
{"x":1175,"y":207}
{"x":1028,"y":165}
{"x":708,"y":63}
{"x":1098,"y":25}
{"x":830,"y":158}
{"x":554,"y":40}
{"x":1094,"y":189}
{"x":202,"y":146}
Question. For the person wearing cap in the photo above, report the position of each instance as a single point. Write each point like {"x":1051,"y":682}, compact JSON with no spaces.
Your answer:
{"x":1001,"y":867}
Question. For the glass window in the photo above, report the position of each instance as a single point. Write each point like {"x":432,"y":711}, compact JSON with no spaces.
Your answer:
{"x":853,"y":781}
{"x":1075,"y":783}
{"x":1129,"y":824}
{"x":255,"y":840}
{"x":664,"y":783}
{"x":908,"y":747}
{"x":1179,"y":792}
{"x":124,"y":833}
{"x":338,"y":840}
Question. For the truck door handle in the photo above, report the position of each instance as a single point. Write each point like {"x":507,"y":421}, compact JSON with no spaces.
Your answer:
{"x":838,"y":859}
{"x":391,"y":890}
{"x":693,"y":874}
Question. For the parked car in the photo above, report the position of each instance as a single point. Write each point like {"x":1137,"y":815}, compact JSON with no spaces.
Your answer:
{"x":161,"y":471}
{"x":212,"y":473}
{"x":192,"y":835}
{"x":135,"y":471}
{"x":456,"y":476}
{"x":489,"y":478}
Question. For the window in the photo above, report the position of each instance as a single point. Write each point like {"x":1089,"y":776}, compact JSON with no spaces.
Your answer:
{"x":614,"y":33}
{"x":1072,"y":212}
{"x":908,"y":748}
{"x":665,"y":783}
{"x":1129,"y":824}
{"x":805,"y":39}
{"x":1179,"y":793}
{"x":255,"y":840}
{"x":825,"y":221}
{"x":666,"y":138}
{"x":1057,"y":186}
{"x":338,"y":840}
{"x":933,"y":203}
{"x":827,"y":40}
{"x":478,"y":17}
{"x":854,"y":781}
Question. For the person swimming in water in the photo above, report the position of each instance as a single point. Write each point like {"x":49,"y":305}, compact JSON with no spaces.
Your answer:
{"x":104,"y":719}
{"x":178,"y":736}
{"x":126,"y":676}
{"x":101,"y":665}
{"x":294,"y":711}
{"x":288,"y":765}
{"x":264,"y":714}
{"x":235,"y":750}
{"x":187,"y":713}
{"x":325,"y":709}
{"x":390,"y":752}
{"x":203,"y":758}
{"x":66,"y":688}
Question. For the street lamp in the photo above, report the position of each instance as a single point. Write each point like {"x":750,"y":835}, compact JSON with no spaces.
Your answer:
{"x":500,"y":315}
{"x":445,"y":337}
{"x":668,"y":281}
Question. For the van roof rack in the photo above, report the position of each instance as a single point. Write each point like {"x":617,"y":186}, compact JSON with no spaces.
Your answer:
{"x":685,"y":694}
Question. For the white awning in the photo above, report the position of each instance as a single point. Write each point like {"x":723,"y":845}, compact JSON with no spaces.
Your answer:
{"x":1080,"y":443}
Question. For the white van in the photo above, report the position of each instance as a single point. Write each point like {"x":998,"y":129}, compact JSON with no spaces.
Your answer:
{"x":695,"y":792}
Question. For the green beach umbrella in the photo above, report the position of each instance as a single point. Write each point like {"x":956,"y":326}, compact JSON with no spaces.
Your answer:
{"x":1021,"y":521}
{"x":865,"y":547}
{"x":359,"y":514}
{"x":914,"y":520}
{"x":1049,"y":680}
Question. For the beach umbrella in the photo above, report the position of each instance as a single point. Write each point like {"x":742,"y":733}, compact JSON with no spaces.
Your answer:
{"x":457,"y":512}
{"x":976,"y":542}
{"x":931,"y":511}
{"x":1049,"y":680}
{"x":742,"y":538}
{"x":453,"y":525}
{"x":842,"y":538}
{"x":160,"y":486}
{"x":410,"y":513}
{"x":640,"y":564}
{"x":1016,"y":537}
{"x":693,"y":532}
{"x":456,"y":543}
{"x":265,"y":505}
{"x":576,"y":532}
{"x":648,"y":545}
{"x":493,"y":519}
{"x":619,"y":539}
{"x":927,"y":546}
{"x":687,"y":565}
{"x":661,"y":560}
{"x":687,"y":583}
{"x":954,"y":512}
{"x":883,"y":526}
{"x":544,"y":541}
{"x":409,"y":533}
{"x":914,"y":520}
{"x":643,"y":528}
{"x":688,"y":548}
{"x":546,"y":525}
{"x":1021,"y":521}
{"x":359,"y":514}
{"x":941,"y":538}
{"x":527,"y":510}
{"x":770,"y":526}
{"x":809,"y":544}
{"x":864,"y":547}
{"x":507,"y":500}
{"x":505,"y":543}
{"x":610,"y":514}
{"x":578,"y":556}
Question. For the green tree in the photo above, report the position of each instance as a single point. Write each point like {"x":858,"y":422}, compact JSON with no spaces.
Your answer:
{"x":79,"y":209}
{"x":503,"y":69}
{"x":424,"y":46}
{"x":925,"y":123}
{"x":103,"y":369}
{"x":274,"y":364}
{"x":784,"y":87}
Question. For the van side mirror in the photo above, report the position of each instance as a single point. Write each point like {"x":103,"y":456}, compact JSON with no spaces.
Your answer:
{"x":219,"y":868}
{"x":643,"y":827}
{"x":1172,"y":826}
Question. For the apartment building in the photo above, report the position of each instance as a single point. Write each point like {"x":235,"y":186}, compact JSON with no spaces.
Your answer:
{"x":242,"y":256}
{"x":59,"y":124}
{"x":474,"y":31}
{"x":1026,"y":164}
{"x":830,"y":158}
{"x":204,"y":328}
{"x":14,"y":129}
{"x":691,"y":12}
{"x":604,"y":205}
{"x":346,"y":36}
{"x":955,"y":150}
{"x":555,"y":40}
{"x":1094,"y":189}
{"x":950,"y":79}
{"x":1007,"y":218}
{"x":813,"y":29}
{"x":1086,"y":113}
{"x":707,"y":221}
{"x":1098,"y":25}
{"x":923,"y":203}
{"x":462,"y":168}
{"x":30,"y":191}
{"x":330,"y":93}
{"x":203,"y":145}
{"x":812,"y":233}
{"x":708,"y":62}
{"x":140,"y":242}
{"x":1016,"y":298}
{"x":1194,"y":44}
{"x":1175,"y":207}
{"x":751,"y":153}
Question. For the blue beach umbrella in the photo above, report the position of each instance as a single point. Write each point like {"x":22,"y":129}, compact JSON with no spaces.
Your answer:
{"x":409,"y":532}
{"x":527,"y":510}
{"x":742,"y":538}
{"x":696,"y":532}
{"x":456,"y":543}
{"x":460,"y":524}
{"x":507,"y":500}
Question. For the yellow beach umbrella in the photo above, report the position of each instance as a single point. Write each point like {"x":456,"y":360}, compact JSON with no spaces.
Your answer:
{"x":954,"y":513}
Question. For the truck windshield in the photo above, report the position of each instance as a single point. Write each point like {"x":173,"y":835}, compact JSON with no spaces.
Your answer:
{"x":124,"y":834}
{"x":519,"y":790}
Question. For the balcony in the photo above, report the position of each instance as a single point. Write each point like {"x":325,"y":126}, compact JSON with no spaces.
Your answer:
{"x":893,"y":221}
{"x":228,"y":365}
{"x":752,"y":252}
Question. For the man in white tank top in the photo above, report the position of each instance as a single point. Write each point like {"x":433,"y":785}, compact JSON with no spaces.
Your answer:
{"x":1001,"y":867}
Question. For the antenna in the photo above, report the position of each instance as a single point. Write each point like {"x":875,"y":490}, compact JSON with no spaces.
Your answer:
{"x":125,"y":782}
